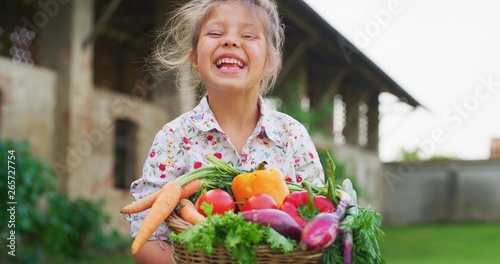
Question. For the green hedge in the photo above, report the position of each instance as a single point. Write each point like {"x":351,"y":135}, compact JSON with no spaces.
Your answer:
{"x":47,"y":225}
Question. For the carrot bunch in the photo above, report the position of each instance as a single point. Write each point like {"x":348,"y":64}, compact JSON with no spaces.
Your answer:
{"x":147,"y":202}
{"x":164,"y":201}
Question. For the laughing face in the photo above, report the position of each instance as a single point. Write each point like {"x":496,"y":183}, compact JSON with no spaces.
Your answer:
{"x":231,"y":51}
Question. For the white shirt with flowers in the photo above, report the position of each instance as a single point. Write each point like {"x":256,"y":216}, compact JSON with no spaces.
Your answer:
{"x":182,"y":145}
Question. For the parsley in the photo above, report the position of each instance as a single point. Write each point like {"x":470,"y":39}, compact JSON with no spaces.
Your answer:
{"x":333,"y":254}
{"x":366,"y":234}
{"x":366,"y":231}
{"x":239,"y":237}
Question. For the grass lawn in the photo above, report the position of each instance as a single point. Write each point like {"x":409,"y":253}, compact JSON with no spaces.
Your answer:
{"x":111,"y":259}
{"x":445,"y":243}
{"x":115,"y":259}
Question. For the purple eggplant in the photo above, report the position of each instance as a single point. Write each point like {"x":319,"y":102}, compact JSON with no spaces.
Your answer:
{"x":278,"y":220}
{"x":321,"y":231}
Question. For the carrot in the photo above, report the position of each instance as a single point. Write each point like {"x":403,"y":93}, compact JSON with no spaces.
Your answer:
{"x":166,"y":202}
{"x":141,"y":204}
{"x":170,"y":195}
{"x":146,"y":202}
{"x":191,"y":188}
{"x":189,"y":213}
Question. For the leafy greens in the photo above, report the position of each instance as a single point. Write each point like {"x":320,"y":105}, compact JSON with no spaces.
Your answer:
{"x":366,"y":231}
{"x":239,"y":237}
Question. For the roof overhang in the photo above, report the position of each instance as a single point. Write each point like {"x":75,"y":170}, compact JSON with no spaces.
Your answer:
{"x":341,"y":50}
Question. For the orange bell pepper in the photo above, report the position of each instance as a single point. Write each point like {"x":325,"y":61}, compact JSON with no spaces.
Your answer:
{"x":269,"y":182}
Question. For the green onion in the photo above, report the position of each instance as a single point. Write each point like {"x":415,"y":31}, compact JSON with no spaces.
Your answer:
{"x":219,"y":169}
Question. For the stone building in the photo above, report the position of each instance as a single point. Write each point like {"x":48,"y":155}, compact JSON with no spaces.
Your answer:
{"x":73,"y":83}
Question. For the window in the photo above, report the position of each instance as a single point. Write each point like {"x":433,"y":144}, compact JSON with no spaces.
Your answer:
{"x":124,"y":153}
{"x":363,"y":124}
{"x":19,"y":24}
{"x":339,"y":120}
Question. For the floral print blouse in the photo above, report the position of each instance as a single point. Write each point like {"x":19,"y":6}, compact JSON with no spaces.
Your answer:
{"x":182,"y":145}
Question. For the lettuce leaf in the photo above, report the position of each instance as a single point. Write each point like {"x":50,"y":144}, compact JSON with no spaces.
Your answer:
{"x":239,"y":237}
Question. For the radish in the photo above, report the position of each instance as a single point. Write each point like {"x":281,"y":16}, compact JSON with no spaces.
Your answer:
{"x":347,"y":243}
{"x":278,"y":220}
{"x":323,"y":229}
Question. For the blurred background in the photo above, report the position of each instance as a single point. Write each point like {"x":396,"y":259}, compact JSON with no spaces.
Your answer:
{"x":404,"y":94}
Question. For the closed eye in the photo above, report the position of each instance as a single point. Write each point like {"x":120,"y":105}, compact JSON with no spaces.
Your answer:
{"x":249,"y":36}
{"x":214,"y":33}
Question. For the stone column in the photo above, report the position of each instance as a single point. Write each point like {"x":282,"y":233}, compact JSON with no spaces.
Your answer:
{"x":61,"y":48}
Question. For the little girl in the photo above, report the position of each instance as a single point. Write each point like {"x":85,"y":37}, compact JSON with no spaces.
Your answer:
{"x":233,"y":49}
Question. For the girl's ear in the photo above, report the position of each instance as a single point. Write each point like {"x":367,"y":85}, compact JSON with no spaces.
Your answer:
{"x":192,"y":58}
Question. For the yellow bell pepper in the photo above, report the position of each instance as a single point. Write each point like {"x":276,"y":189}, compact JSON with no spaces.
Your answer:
{"x":269,"y":182}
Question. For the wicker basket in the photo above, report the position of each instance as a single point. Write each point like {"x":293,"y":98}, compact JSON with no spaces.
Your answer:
{"x":221,"y":256}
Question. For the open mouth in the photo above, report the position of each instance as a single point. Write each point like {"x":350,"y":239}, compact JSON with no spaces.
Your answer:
{"x":229,"y":63}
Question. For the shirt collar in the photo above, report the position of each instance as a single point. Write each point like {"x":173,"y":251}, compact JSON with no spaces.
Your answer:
{"x":203,"y":118}
{"x":267,"y":123}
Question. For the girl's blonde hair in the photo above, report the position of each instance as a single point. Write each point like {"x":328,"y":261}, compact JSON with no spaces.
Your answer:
{"x":182,"y":32}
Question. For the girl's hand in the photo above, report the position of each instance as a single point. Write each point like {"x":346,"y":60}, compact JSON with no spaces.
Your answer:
{"x":155,"y":252}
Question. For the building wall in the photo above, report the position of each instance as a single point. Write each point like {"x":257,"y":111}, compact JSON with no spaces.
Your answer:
{"x":28,"y":114}
{"x":27,"y":107}
{"x":440,"y":191}
{"x":366,"y":167}
{"x":68,"y":122}
{"x":96,"y":177}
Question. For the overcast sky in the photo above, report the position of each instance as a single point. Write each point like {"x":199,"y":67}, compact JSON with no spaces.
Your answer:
{"x":446,"y":54}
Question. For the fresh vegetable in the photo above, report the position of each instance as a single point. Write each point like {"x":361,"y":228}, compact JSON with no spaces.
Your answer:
{"x":189,"y":213}
{"x":366,"y":231}
{"x":323,"y":229}
{"x":219,"y":199}
{"x":191,"y":188}
{"x":269,"y":182}
{"x":239,"y":237}
{"x":146,"y":202}
{"x":320,"y":232}
{"x":330,"y":179}
{"x":297,"y":187}
{"x":362,"y":226}
{"x":170,"y":195}
{"x":167,"y":199}
{"x":259,"y":201}
{"x":347,"y":242}
{"x":140,"y":205}
{"x":278,"y":220}
{"x":303,"y":206}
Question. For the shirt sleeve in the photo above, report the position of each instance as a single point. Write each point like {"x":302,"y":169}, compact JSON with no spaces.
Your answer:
{"x":163,"y":164}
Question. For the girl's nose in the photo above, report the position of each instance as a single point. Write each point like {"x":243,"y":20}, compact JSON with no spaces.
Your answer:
{"x":227,"y":44}
{"x":230,"y":41}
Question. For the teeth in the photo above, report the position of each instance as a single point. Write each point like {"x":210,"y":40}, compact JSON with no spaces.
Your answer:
{"x":229,"y":61}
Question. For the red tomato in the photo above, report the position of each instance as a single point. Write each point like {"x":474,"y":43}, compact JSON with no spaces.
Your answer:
{"x":219,"y":199}
{"x":259,"y":201}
